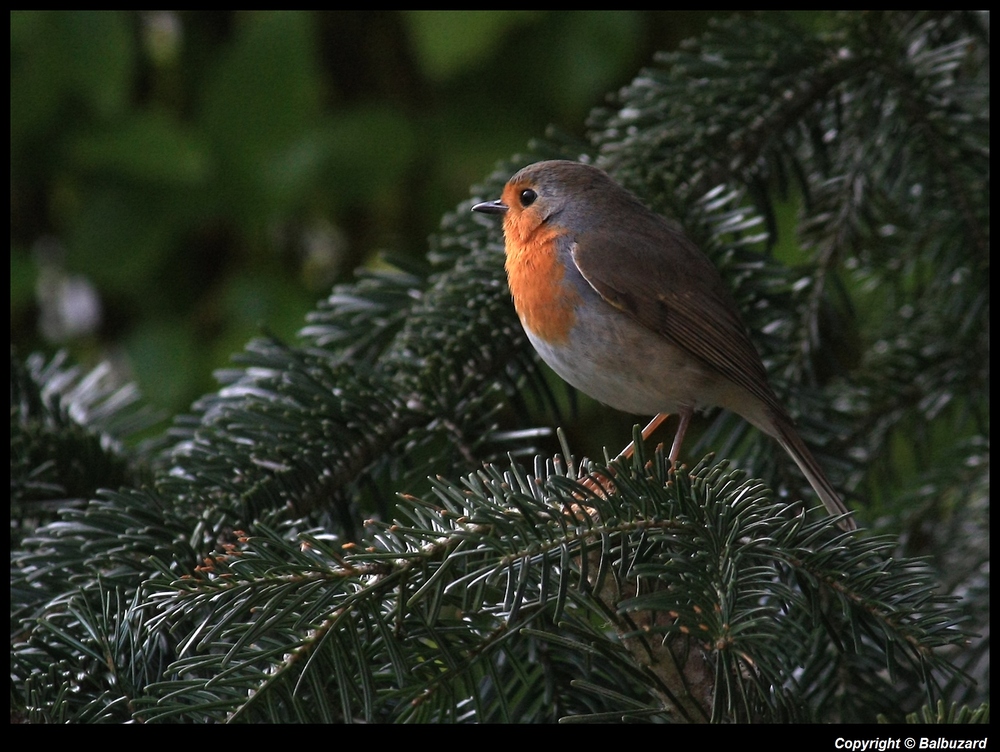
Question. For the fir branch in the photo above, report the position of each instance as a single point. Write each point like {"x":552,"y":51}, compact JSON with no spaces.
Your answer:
{"x":68,"y":433}
{"x":705,"y":580}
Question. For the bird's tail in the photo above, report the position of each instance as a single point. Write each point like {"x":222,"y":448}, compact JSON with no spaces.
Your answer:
{"x":792,"y":443}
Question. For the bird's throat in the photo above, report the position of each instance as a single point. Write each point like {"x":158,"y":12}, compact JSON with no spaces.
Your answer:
{"x":545,"y":301}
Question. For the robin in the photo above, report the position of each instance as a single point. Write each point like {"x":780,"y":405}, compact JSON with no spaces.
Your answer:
{"x":623,"y":306}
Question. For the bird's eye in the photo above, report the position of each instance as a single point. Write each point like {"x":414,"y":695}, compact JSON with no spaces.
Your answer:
{"x":528,"y":197}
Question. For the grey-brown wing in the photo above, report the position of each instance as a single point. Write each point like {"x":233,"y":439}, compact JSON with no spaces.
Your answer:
{"x":665,"y":283}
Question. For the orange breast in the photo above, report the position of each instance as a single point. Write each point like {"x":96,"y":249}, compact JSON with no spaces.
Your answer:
{"x":544,"y":300}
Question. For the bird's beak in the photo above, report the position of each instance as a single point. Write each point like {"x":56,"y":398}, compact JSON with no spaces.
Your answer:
{"x":491,"y":207}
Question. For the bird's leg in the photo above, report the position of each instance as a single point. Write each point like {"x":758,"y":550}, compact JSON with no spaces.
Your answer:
{"x":675,"y":448}
{"x":601,"y":488}
{"x":650,"y":427}
{"x":682,"y":427}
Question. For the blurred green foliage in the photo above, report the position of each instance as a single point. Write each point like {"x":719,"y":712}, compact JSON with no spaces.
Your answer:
{"x":198,"y":178}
